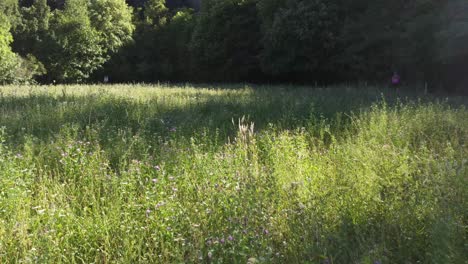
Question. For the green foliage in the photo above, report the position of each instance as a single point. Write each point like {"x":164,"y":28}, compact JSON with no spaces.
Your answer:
{"x":9,"y":9}
{"x":299,"y":37}
{"x":13,"y":68}
{"x":8,"y":59}
{"x":243,"y":40}
{"x":157,"y":174}
{"x":226,"y":41}
{"x":155,"y":12}
{"x":113,"y":20}
{"x":75,"y":51}
{"x":174,"y":46}
{"x":379,"y":37}
{"x":32,"y":34}
{"x":160,"y":50}
{"x":74,"y":42}
{"x":453,"y":34}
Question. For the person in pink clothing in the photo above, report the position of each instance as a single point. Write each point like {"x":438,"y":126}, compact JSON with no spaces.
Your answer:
{"x":396,"y":80}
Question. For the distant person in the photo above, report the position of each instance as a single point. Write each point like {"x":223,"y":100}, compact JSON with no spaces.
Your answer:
{"x":396,"y":79}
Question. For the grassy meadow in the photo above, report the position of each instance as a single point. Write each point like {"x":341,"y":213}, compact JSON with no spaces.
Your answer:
{"x":231,"y":174}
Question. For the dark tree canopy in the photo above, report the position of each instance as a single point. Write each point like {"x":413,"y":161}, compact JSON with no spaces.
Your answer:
{"x":302,"y":41}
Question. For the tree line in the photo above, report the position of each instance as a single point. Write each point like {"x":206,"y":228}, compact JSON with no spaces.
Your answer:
{"x":305,"y":41}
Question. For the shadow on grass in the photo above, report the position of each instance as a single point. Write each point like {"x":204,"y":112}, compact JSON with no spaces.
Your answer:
{"x":285,"y":108}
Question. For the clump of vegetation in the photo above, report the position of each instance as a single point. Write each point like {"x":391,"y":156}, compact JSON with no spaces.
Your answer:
{"x":267,"y":175}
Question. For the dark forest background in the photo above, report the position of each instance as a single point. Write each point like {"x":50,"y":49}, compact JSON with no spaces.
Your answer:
{"x":267,"y":41}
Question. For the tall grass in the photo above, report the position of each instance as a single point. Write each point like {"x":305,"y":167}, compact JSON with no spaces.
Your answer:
{"x":156,"y":174}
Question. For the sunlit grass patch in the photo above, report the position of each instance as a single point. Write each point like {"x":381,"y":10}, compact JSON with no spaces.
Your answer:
{"x":160,"y":174}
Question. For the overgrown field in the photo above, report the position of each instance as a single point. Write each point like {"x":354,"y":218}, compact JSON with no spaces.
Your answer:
{"x":155,"y":174}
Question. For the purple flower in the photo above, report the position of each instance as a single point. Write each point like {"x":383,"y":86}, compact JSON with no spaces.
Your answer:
{"x":265,"y":232}
{"x":148,"y":211}
{"x":377,"y":262}
{"x":222,"y":241}
{"x":230,"y":238}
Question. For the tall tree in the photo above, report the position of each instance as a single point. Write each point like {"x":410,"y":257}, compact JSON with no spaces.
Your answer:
{"x":10,"y":11}
{"x":75,"y":41}
{"x":8,"y":59}
{"x":14,"y":68}
{"x":299,"y":37}
{"x":75,"y":51}
{"x":227,"y":40}
{"x":32,"y":33}
{"x":113,"y":20}
{"x":452,"y":43}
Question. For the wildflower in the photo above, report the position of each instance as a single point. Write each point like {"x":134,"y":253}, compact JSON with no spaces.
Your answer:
{"x":222,"y":241}
{"x":148,"y":211}
{"x":265,"y":232}
{"x":154,"y":180}
{"x":173,"y":129}
{"x":377,"y":262}
{"x":230,"y":238}
{"x":171,"y":178}
{"x":210,"y":255}
{"x":157,"y":167}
